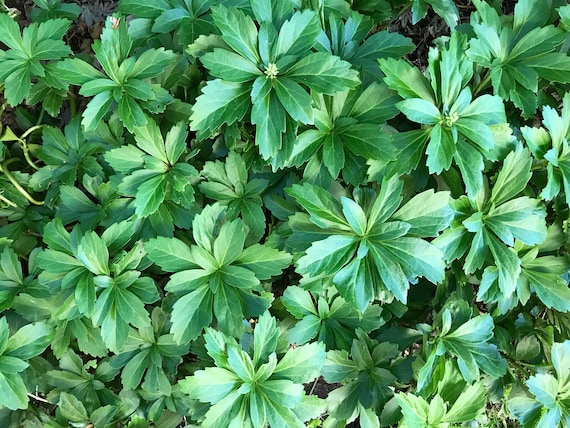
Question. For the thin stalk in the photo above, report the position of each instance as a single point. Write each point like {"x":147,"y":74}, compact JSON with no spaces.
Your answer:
{"x":18,"y":186}
{"x":42,"y":112}
{"x":7,"y":201}
{"x":25,"y":148}
{"x":484,"y":84}
{"x":72,"y":104}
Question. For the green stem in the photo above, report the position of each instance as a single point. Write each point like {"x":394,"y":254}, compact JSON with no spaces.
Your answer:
{"x":7,"y":201}
{"x":25,"y":148}
{"x":484,"y":84}
{"x":41,"y":117}
{"x":18,"y":186}
{"x":72,"y":104}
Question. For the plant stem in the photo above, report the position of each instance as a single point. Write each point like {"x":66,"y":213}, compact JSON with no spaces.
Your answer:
{"x":18,"y":186}
{"x":482,"y":85}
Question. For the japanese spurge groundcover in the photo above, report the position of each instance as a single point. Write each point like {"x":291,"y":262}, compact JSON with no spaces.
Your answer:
{"x":285,"y":213}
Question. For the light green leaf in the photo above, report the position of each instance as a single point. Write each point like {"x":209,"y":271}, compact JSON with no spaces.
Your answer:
{"x":238,"y":31}
{"x":296,"y":101}
{"x":406,"y":79}
{"x":210,"y":385}
{"x":93,"y":253}
{"x":440,"y":149}
{"x":327,"y":256}
{"x":325,"y":211}
{"x":229,"y":243}
{"x":427,"y":213}
{"x":298,"y":34}
{"x":13,"y":392}
{"x":149,"y":139}
{"x":29,"y":341}
{"x":513,"y":176}
{"x":420,"y":111}
{"x":354,"y":215}
{"x":265,"y":338}
{"x":355,"y":284}
{"x":333,"y":154}
{"x":468,"y":405}
{"x":170,"y":254}
{"x":221,"y":102}
{"x":97,"y":108}
{"x":324,"y":73}
{"x":190,"y":314}
{"x":230,"y":66}
{"x":269,"y":117}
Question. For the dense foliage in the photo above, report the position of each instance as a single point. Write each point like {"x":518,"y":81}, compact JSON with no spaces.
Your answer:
{"x":240,"y":213}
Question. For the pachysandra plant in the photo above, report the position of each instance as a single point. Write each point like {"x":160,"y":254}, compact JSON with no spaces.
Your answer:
{"x":485,"y":229}
{"x":32,"y":57}
{"x":367,"y":379}
{"x":284,"y":213}
{"x":125,"y":83}
{"x":550,"y":405}
{"x":229,"y":184}
{"x":551,"y":145}
{"x":216,"y":277}
{"x":112,"y":292}
{"x":258,"y":385}
{"x":328,"y":317}
{"x":155,"y":171}
{"x":373,"y":247}
{"x":457,"y":127}
{"x":16,"y":349}
{"x":520,"y":53}
{"x":268,"y":70}
{"x":348,"y":132}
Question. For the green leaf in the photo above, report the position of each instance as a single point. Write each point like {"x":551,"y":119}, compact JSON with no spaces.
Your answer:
{"x":469,"y":343}
{"x":325,"y":211}
{"x":406,"y":79}
{"x":149,"y":139}
{"x":221,"y":102}
{"x":209,"y":385}
{"x":420,"y":111}
{"x":92,"y":252}
{"x":440,"y":149}
{"x":97,"y":108}
{"x":170,"y":254}
{"x":229,"y":243}
{"x":324,"y":73}
{"x":131,"y":113}
{"x":333,"y":154}
{"x":29,"y":341}
{"x":78,"y":72}
{"x":327,"y":256}
{"x":238,"y":31}
{"x":470,"y":163}
{"x":355,"y":284}
{"x":71,"y":408}
{"x":369,"y":141}
{"x":269,"y":117}
{"x":427,"y":213}
{"x":151,"y":63}
{"x":296,"y":101}
{"x":13,"y":392}
{"x":263,"y":261}
{"x":298,"y":34}
{"x":190,"y":314}
{"x":513,"y":176}
{"x":230,"y":66}
{"x":468,"y":405}
{"x":265,"y":338}
{"x":354,"y":215}
{"x":11,"y":35}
